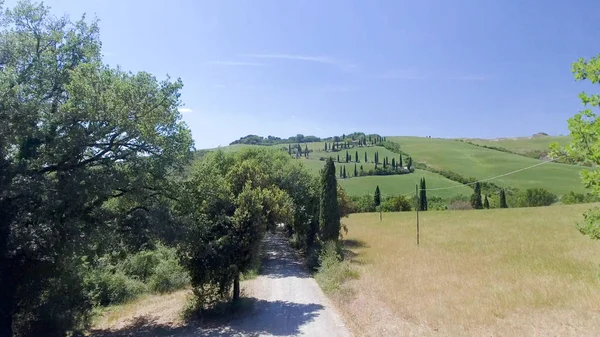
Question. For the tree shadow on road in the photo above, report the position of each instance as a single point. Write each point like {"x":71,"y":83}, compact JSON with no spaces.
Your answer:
{"x":277,"y":318}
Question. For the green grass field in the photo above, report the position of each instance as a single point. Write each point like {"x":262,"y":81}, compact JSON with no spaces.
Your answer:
{"x":403,"y":184}
{"x":502,"y":272}
{"x":523,"y":144}
{"x":481,"y":163}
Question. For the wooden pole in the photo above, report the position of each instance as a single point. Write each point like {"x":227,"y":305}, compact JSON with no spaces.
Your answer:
{"x":418,"y":206}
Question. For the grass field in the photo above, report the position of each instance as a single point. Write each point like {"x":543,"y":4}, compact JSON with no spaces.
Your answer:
{"x":473,"y":161}
{"x":403,"y":184}
{"x":513,"y":272}
{"x":523,"y":144}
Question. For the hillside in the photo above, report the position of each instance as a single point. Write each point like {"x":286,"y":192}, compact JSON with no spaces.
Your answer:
{"x":522,"y":145}
{"x":474,"y":161}
{"x":465,"y":159}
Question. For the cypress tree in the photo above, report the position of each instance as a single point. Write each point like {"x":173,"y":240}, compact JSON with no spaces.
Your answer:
{"x":329,"y":215}
{"x":306,"y":151}
{"x":355,"y":170}
{"x":401,"y":166}
{"x":325,"y":146}
{"x":290,"y":149}
{"x":476,"y":197}
{"x":347,"y":156}
{"x":338,"y":158}
{"x":361,"y":169}
{"x":356,"y":156}
{"x":366,"y":161}
{"x":345,"y":176}
{"x":409,"y":164}
{"x":503,"y":199}
{"x":394,"y":163}
{"x":377,"y":197}
{"x":423,"y":195}
{"x":486,"y":203}
{"x":341,"y":172}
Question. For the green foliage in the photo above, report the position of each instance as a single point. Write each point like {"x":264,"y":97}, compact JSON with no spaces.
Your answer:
{"x":396,"y":204}
{"x":422,"y":195}
{"x":591,"y":224}
{"x":364,"y":204}
{"x":377,"y":197}
{"x":271,"y":140}
{"x":476,"y":197}
{"x":534,"y":197}
{"x":329,"y":218}
{"x":579,"y":198}
{"x":85,"y":153}
{"x":503,"y":203}
{"x":333,"y":270}
{"x":486,"y":202}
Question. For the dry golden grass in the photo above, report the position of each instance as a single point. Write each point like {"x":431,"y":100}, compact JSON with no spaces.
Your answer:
{"x":476,"y":273}
{"x":160,"y":309}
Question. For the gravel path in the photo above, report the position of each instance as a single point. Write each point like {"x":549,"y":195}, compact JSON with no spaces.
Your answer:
{"x":288,"y":301}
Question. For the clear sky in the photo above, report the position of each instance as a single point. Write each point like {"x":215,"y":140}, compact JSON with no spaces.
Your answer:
{"x":460,"y":68}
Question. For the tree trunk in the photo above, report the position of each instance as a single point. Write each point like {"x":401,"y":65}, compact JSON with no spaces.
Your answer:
{"x":236,"y":287}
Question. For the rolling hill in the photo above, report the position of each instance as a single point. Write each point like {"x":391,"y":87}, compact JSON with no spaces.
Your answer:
{"x":481,"y":163}
{"x":460,"y":157}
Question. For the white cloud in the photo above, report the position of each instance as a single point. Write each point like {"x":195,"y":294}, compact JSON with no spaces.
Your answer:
{"x":343,"y":65}
{"x":185,"y":110}
{"x":236,"y":64}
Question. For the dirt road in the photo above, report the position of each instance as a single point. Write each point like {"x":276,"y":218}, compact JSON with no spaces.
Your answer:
{"x":283,"y":301}
{"x":288,"y":301}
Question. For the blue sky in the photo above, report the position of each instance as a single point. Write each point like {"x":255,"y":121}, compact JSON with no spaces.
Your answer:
{"x":473,"y":68}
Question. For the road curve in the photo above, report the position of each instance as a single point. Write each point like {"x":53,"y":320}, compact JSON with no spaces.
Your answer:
{"x":287,"y":300}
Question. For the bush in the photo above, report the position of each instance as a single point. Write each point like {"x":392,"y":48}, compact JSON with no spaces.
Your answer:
{"x":364,"y":204}
{"x":168,"y":276}
{"x":534,"y":197}
{"x":396,"y":204}
{"x":578,"y":198}
{"x":333,"y":271}
{"x":460,"y":204}
{"x":109,"y":285}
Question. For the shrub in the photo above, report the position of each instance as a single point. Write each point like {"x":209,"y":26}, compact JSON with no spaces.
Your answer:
{"x":333,"y":271}
{"x":460,"y":205}
{"x":109,"y":285}
{"x":168,"y":276}
{"x":578,"y":198}
{"x":535,"y":197}
{"x":364,"y":204}
{"x":396,"y":204}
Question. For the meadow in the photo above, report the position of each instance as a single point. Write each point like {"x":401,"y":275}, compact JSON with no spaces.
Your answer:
{"x":523,"y":145}
{"x":502,"y":272}
{"x":481,"y":163}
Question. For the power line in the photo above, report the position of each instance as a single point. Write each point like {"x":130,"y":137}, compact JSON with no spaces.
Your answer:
{"x":482,"y":180}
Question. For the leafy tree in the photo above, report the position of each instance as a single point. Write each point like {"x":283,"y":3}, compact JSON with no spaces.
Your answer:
{"x":476,"y":197}
{"x":85,"y":150}
{"x":377,"y":197}
{"x":361,"y":169}
{"x":329,"y":216}
{"x":503,"y":199}
{"x":584,"y":130}
{"x":535,"y":197}
{"x":486,"y":202}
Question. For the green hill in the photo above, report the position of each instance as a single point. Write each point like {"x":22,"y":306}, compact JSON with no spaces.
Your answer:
{"x":522,"y":145}
{"x":481,"y":163}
